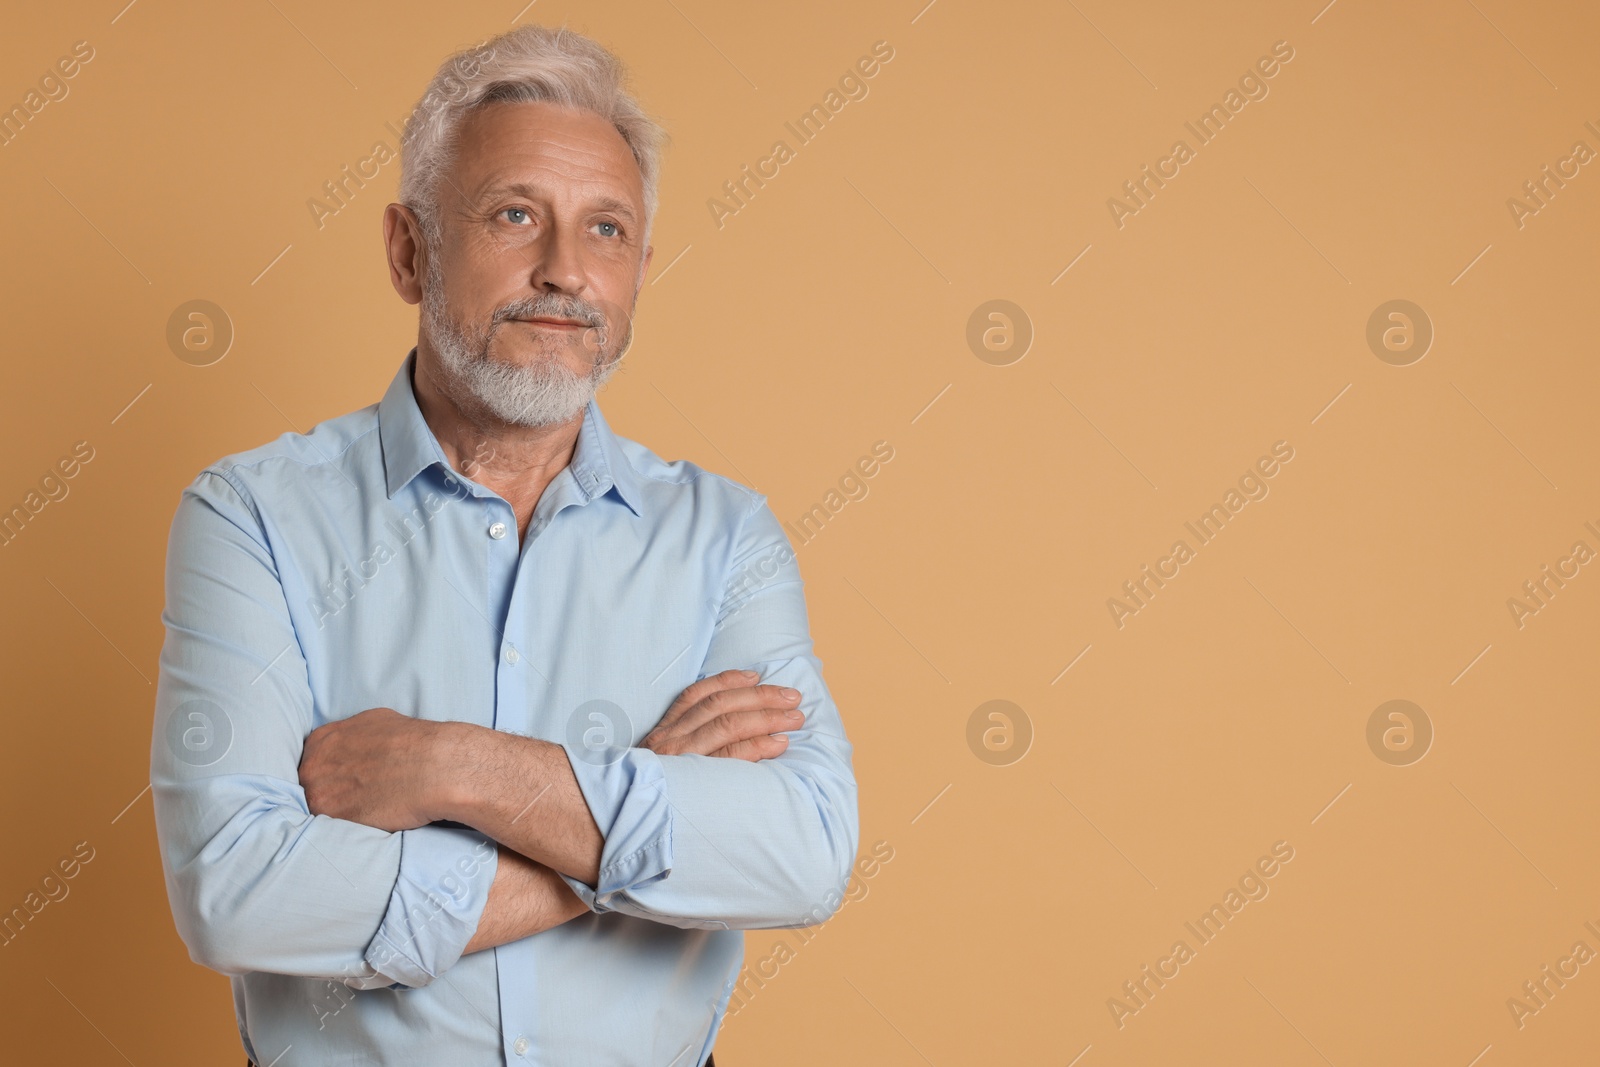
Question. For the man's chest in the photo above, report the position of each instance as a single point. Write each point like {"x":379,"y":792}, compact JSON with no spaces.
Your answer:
{"x":437,"y":611}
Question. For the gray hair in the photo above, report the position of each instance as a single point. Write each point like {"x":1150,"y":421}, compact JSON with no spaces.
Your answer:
{"x":527,"y":64}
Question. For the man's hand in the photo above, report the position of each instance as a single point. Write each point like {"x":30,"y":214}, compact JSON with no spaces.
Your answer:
{"x":728,"y":714}
{"x":376,"y":768}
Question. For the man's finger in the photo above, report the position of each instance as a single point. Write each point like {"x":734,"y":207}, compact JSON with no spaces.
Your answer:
{"x":704,"y":688}
{"x":737,"y":726}
{"x":756,"y":749}
{"x":730,"y":701}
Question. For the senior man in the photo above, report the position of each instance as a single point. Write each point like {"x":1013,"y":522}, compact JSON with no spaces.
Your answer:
{"x":482,"y":731}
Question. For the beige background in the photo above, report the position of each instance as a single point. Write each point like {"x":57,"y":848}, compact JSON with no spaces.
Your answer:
{"x":1230,"y":313}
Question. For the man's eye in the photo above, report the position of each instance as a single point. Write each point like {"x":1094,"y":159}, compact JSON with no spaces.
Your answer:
{"x":614,"y":230}
{"x":517,"y":215}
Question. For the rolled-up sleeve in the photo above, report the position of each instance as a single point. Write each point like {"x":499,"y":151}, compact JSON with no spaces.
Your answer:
{"x":256,"y":882}
{"x":707,"y":842}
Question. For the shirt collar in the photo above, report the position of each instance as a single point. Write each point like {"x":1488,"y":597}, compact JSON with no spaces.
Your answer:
{"x":410,"y":447}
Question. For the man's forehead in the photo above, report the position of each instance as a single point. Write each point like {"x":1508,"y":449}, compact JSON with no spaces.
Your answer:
{"x":528,"y":145}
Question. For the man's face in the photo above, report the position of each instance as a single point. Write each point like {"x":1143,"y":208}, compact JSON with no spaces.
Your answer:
{"x":528,"y":302}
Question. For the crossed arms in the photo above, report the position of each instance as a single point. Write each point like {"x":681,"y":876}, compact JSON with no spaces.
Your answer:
{"x":384,"y":769}
{"x":321,"y":852}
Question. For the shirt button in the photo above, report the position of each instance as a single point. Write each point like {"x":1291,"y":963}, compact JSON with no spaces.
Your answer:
{"x":497,"y":531}
{"x":520,"y":1046}
{"x":511,"y":655}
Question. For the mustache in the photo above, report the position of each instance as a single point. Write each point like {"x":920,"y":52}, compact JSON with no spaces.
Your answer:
{"x":549,"y":305}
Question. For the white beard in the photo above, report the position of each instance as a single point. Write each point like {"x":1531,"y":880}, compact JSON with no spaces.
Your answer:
{"x":544,"y":393}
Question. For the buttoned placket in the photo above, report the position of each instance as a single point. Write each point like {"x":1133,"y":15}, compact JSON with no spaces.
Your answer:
{"x":508,"y":564}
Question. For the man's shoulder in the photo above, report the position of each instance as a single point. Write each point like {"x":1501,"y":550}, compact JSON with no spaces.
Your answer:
{"x":682,"y":483}
{"x":292,"y":457}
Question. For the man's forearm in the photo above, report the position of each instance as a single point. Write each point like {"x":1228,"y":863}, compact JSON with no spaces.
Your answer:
{"x":521,"y":792}
{"x":526,"y":898}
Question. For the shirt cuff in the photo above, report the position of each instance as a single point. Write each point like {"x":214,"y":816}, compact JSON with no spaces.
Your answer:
{"x":626,"y":791}
{"x":438,"y":898}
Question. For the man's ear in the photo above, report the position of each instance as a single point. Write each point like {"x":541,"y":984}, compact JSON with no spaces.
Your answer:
{"x":402,"y":241}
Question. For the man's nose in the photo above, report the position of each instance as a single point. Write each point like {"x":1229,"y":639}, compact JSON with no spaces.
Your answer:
{"x":558,"y":263}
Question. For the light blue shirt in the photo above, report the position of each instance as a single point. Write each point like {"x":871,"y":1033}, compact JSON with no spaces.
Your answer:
{"x":348,"y":568}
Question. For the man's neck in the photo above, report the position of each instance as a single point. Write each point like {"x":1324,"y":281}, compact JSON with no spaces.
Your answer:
{"x":517,"y":462}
